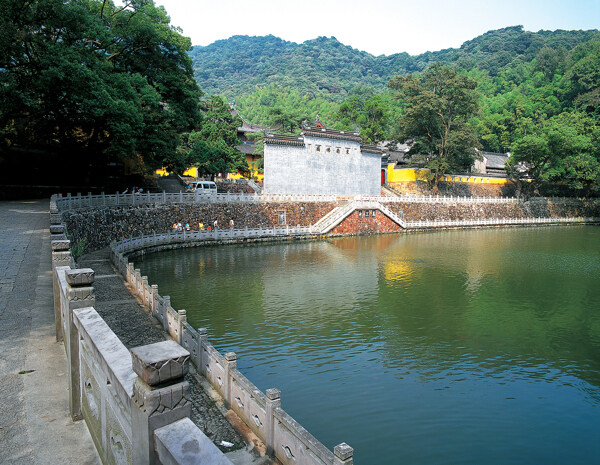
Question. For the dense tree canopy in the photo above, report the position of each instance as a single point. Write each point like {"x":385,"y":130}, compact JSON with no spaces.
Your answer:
{"x":438,"y":106}
{"x":91,"y":78}
{"x":324,"y":67}
{"x":212,"y":147}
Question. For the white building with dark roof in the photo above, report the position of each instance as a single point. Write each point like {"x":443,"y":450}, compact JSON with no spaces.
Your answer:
{"x":491,"y":163}
{"x":321,"y":161}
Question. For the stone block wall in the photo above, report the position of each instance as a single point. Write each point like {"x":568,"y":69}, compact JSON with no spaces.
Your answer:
{"x":95,"y":228}
{"x":413,"y":211}
{"x":359,"y":223}
{"x":99,"y":226}
{"x":455,"y":189}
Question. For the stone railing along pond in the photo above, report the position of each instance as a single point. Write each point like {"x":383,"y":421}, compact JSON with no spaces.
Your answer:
{"x":135,"y":403}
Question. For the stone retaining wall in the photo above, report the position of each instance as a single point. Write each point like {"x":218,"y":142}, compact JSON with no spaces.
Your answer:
{"x":358,"y":223}
{"x":95,"y":228}
{"x":467,"y":211}
{"x":100,"y":226}
{"x":454,"y":189}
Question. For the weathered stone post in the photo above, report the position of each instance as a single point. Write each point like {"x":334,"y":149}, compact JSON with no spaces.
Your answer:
{"x":80,"y":294}
{"x":137,"y":279}
{"x":154,"y":302}
{"x":181,"y":319}
{"x":144,"y":296}
{"x":230,"y":364}
{"x":202,"y":340}
{"x":342,"y":454}
{"x":164,"y":313}
{"x":273,"y":402}
{"x":60,"y":257}
{"x":160,"y":394}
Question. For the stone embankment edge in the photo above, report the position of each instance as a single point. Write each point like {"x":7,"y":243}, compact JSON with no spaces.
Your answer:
{"x":285,"y":438}
{"x":177,"y":326}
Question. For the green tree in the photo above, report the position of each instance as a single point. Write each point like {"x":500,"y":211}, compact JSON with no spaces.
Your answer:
{"x":584,"y":77}
{"x":94,"y":79}
{"x":563,"y":149}
{"x":438,"y":106}
{"x":367,"y":111}
{"x":212,"y":147}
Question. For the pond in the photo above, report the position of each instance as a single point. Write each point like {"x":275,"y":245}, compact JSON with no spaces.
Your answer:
{"x":454,"y":347}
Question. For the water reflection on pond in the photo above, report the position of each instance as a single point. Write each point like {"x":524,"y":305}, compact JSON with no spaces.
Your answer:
{"x":449,"y":347}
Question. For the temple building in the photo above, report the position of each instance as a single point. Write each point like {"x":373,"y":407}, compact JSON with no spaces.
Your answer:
{"x":321,"y":161}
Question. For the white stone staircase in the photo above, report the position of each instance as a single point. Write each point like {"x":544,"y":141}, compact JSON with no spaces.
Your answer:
{"x":338,"y":214}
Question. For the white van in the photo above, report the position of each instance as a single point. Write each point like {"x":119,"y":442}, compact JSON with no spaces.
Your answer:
{"x":202,"y":187}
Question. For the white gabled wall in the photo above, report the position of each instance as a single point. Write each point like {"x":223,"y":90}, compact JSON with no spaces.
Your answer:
{"x":306,"y":170}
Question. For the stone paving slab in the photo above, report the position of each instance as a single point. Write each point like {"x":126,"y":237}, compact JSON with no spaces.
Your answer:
{"x":35,"y":426}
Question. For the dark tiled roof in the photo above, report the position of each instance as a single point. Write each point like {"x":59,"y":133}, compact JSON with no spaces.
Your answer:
{"x":398,"y":157}
{"x":246,"y":149}
{"x":250,"y":127}
{"x":280,"y":139}
{"x":368,"y":148}
{"x":495,"y":160}
{"x":331,"y":134}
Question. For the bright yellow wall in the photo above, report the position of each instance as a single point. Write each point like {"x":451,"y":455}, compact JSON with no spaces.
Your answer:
{"x":474,"y":179}
{"x":190,"y":172}
{"x":405,"y":174}
{"x":416,"y":174}
{"x":255,"y":174}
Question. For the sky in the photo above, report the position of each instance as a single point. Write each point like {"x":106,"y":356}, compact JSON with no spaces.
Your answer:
{"x":380,"y":27}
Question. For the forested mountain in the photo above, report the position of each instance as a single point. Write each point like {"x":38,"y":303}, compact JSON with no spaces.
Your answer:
{"x":325,"y":67}
{"x":536,"y":95}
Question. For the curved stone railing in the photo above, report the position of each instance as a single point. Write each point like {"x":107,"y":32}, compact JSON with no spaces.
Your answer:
{"x":136,"y":411}
{"x":286,"y":439}
{"x":132,"y":244}
{"x":70,"y":202}
{"x":439,"y":199}
{"x":496,"y":222}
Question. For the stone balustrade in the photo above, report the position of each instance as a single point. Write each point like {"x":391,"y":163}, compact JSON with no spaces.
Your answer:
{"x":116,"y":391}
{"x":285,"y":439}
{"x":133,"y":402}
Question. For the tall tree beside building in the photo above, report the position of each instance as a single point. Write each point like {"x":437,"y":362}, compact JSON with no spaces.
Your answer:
{"x":94,"y":79}
{"x":212,"y":147}
{"x":438,"y":106}
{"x":565,"y":148}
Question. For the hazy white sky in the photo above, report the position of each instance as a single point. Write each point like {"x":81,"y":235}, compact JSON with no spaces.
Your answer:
{"x":376,"y":26}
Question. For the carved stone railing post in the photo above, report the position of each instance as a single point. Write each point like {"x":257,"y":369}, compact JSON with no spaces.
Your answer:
{"x":165,"y":312}
{"x":160,"y":394}
{"x":181,"y":320}
{"x":154,"y":301}
{"x":202,"y":340}
{"x":273,"y":402}
{"x":60,"y":257}
{"x":230,"y":364}
{"x":137,"y":279}
{"x":80,"y":294}
{"x":342,"y":454}
{"x":144,"y":284}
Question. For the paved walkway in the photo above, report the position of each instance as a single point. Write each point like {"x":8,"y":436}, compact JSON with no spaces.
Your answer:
{"x":35,"y":426}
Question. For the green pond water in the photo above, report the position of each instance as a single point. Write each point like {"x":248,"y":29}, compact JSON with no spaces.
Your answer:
{"x":454,"y":347}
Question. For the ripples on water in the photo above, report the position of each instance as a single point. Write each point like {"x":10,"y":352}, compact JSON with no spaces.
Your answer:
{"x":456,"y":347}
